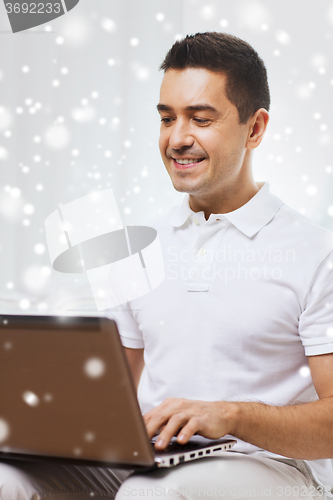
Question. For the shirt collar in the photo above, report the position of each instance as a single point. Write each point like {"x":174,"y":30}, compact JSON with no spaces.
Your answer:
{"x":249,"y":218}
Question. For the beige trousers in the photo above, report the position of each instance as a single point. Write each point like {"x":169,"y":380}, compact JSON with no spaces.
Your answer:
{"x":229,"y":476}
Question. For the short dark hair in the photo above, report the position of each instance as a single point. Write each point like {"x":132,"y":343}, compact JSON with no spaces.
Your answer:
{"x":246,"y":87}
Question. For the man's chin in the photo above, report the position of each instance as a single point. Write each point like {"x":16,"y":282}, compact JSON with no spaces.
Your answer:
{"x":183,"y":183}
{"x":180,"y":189}
{"x":183,"y":188}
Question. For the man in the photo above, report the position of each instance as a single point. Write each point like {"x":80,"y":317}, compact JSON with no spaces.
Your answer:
{"x":224,"y":345}
{"x":246,"y":306}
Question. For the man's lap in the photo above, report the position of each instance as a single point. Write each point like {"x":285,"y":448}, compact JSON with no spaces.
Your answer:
{"x":231,"y":476}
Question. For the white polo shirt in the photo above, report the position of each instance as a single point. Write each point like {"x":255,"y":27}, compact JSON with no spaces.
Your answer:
{"x":247,"y":296}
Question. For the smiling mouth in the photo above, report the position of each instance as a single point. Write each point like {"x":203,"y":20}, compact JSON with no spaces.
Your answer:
{"x":187,"y":161}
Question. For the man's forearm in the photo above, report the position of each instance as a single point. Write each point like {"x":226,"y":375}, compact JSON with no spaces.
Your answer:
{"x":303,"y":431}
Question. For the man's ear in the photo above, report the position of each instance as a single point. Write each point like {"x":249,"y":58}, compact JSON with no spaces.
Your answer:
{"x":257,"y":128}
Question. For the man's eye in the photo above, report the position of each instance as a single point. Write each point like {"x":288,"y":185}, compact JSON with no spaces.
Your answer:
{"x":201,"y":120}
{"x":165,"y":120}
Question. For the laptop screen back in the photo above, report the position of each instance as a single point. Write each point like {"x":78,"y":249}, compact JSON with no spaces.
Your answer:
{"x":66,"y":391}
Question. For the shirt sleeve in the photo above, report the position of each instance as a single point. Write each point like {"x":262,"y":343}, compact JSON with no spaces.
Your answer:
{"x":129,"y":332}
{"x":316,"y":320}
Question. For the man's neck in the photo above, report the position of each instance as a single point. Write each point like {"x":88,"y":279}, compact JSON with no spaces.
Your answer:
{"x":226,"y":201}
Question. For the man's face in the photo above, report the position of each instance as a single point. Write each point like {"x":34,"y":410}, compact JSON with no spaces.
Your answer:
{"x":202,"y":143}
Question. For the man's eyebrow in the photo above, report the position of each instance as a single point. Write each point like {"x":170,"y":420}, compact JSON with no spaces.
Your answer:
{"x":201,"y":107}
{"x":163,"y":107}
{"x":197,"y":107}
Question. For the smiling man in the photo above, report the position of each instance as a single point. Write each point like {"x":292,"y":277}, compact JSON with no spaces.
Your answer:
{"x":237,"y":339}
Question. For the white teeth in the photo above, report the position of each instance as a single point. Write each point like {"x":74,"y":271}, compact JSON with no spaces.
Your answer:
{"x":186,"y":162}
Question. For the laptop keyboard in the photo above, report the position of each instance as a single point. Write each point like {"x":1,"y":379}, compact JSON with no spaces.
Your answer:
{"x":175,"y":447}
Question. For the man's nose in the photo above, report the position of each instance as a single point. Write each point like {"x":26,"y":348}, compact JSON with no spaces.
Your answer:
{"x":181,"y":136}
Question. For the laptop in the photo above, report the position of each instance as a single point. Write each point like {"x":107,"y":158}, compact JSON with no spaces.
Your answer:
{"x":67,"y":395}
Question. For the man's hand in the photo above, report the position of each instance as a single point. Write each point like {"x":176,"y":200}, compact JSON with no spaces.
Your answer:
{"x":209,"y":419}
{"x":302,"y":431}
